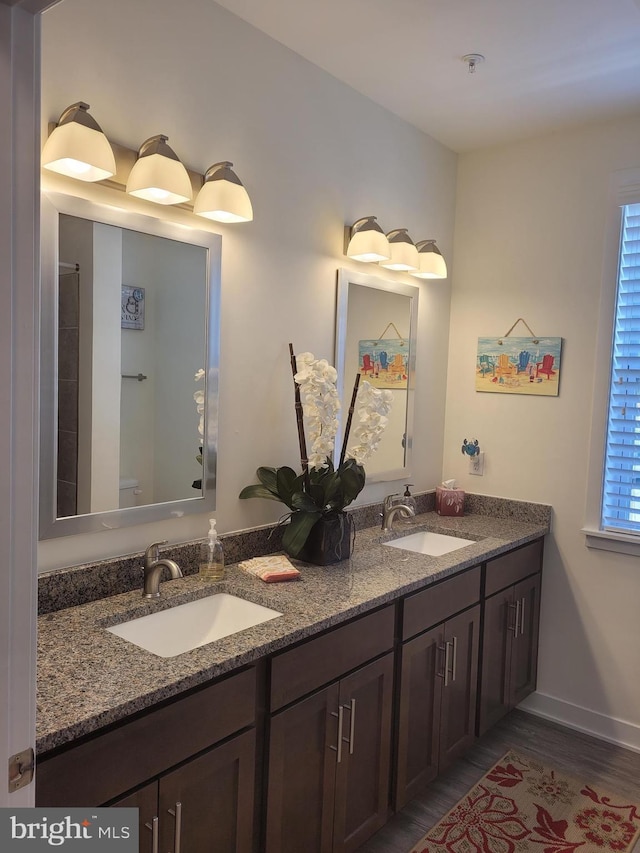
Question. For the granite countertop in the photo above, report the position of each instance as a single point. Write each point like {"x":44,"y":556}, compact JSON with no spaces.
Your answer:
{"x":89,"y":678}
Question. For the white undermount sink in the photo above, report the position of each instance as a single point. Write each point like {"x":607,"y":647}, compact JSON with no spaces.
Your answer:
{"x":187,"y":626}
{"x":431,"y":544}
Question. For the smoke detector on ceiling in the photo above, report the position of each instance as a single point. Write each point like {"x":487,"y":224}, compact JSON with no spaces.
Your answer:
{"x":473,"y":60}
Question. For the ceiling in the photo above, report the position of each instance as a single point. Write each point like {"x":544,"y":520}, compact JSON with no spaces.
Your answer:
{"x":548,"y":63}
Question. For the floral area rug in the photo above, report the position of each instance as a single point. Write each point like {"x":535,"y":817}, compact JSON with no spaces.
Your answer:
{"x":520,"y":806}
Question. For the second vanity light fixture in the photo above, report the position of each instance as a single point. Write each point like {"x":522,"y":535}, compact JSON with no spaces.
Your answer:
{"x":78,"y":148}
{"x":395,"y":251}
{"x":158,"y":175}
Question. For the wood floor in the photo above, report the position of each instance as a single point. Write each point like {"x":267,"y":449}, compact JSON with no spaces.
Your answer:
{"x":596,"y":761}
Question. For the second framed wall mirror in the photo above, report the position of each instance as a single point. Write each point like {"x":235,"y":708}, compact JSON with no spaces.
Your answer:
{"x":376,"y":323}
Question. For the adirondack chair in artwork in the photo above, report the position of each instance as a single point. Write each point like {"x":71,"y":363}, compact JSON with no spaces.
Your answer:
{"x":523,"y":361}
{"x":367,"y":364}
{"x":486,"y":364}
{"x":505,"y":367}
{"x":546,"y":365}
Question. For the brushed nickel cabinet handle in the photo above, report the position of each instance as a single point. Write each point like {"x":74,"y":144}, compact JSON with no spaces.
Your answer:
{"x":443,"y":674}
{"x":522,"y":616}
{"x":515,"y":625}
{"x":352,"y":724}
{"x":340,"y":716}
{"x":177,"y":814}
{"x":153,"y":826}
{"x":446,"y":663}
{"x":454,"y":645}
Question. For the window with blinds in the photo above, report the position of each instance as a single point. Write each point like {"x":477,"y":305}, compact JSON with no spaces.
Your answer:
{"x":621,"y":487}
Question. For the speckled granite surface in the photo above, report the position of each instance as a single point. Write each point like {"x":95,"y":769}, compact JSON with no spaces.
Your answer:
{"x":89,"y":678}
{"x":92,"y":581}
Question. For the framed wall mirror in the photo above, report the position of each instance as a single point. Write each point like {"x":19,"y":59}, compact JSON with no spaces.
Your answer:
{"x":376,"y":324}
{"x":130,"y":315}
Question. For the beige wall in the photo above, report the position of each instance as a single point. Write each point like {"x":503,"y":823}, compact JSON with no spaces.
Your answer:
{"x":530,"y":230}
{"x":314,"y":155}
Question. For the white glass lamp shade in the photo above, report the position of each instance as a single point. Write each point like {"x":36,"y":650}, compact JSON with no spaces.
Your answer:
{"x":223,"y":196}
{"x":368,"y":241}
{"x":78,"y":148}
{"x":158,"y":175}
{"x":404,"y":255}
{"x":431,"y":263}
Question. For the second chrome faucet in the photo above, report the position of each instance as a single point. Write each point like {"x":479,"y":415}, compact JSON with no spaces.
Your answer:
{"x":153,"y":566}
{"x":391,"y":509}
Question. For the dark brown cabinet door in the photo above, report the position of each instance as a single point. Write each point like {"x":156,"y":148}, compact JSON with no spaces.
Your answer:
{"x":208,"y":802}
{"x":302,"y":771}
{"x":362,"y":776}
{"x":421,"y":679}
{"x":499,"y":626}
{"x":509,"y":650}
{"x":146,"y":800}
{"x":460,"y":686}
{"x":524,"y":653}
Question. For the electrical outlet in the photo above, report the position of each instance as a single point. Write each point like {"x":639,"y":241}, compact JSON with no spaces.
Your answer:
{"x":476,"y":464}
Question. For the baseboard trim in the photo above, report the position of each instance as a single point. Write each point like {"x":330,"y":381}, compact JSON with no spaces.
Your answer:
{"x":598,"y":725}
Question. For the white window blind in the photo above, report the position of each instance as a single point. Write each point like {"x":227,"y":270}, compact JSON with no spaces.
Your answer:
{"x":621,"y":488}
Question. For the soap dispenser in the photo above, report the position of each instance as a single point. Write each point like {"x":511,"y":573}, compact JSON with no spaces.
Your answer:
{"x":408,"y":499}
{"x":212,"y":555}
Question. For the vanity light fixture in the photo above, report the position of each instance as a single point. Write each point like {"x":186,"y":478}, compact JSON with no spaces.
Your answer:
{"x":368,"y":241}
{"x":431,"y":264}
{"x":223,"y":196}
{"x":78,"y":148}
{"x":404,"y":255}
{"x":158,"y":175}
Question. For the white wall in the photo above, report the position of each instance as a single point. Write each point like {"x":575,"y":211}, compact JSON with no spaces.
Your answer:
{"x":314,"y":155}
{"x":530,"y":229}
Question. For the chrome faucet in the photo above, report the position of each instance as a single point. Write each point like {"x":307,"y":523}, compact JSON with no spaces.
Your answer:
{"x":391,"y":509}
{"x":153,"y":566}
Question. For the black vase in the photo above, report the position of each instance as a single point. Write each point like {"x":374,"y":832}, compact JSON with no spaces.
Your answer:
{"x":329,"y":540}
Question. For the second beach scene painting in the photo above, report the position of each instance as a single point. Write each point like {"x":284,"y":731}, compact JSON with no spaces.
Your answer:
{"x":519,"y":365}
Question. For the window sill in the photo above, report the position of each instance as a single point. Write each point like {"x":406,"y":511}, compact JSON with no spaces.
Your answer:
{"x":607,"y":540}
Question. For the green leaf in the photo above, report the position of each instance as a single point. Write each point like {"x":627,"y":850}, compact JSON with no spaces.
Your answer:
{"x":304,"y":502}
{"x":353,"y":479}
{"x":296,"y":532}
{"x":268,"y":477}
{"x":286,"y":484}
{"x":258,"y":491}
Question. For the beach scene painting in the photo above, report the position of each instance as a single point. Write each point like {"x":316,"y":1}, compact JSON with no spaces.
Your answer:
{"x":519,"y":365}
{"x":384,"y":362}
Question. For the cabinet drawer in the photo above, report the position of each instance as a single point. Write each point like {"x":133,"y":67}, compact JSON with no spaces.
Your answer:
{"x":323,"y":659}
{"x":104,"y":767}
{"x":513,"y":567}
{"x":437,"y":603}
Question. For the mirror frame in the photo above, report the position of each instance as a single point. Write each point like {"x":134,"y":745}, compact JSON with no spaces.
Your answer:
{"x":52,"y":204}
{"x":345,"y":278}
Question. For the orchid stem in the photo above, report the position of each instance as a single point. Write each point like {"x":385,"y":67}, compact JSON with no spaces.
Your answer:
{"x":349,"y":419}
{"x":304,"y":460}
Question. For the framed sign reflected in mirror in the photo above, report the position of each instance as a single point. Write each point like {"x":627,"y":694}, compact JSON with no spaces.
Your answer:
{"x":376,"y":323}
{"x":130,"y":319}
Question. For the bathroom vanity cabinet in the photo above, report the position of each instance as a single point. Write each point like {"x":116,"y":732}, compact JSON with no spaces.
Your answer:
{"x":330,"y":751}
{"x":510,"y":632}
{"x":312,"y":745}
{"x":191,"y":752}
{"x":438,"y":680}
